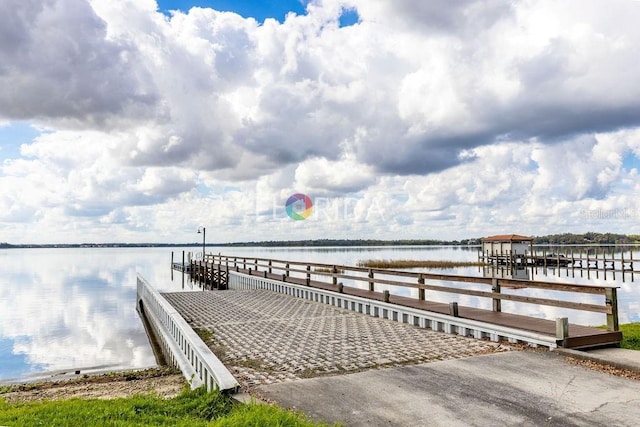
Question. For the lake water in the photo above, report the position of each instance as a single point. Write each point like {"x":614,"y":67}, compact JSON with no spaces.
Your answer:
{"x":74,"y":309}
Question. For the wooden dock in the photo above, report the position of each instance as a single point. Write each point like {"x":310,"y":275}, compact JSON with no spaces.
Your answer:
{"x":213,"y":273}
{"x":570,"y":261}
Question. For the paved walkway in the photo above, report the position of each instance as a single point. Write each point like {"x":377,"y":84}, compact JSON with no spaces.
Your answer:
{"x":264,"y":337}
{"x":507,"y":389}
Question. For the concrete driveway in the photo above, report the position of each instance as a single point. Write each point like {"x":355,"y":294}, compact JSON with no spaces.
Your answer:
{"x":519,"y":388}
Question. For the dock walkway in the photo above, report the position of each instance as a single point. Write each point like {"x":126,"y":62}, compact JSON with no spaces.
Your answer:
{"x":577,"y":336}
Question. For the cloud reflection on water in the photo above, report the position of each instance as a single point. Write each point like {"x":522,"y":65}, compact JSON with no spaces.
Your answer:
{"x":66,"y":309}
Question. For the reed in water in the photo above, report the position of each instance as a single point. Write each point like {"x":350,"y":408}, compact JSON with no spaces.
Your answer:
{"x":407,"y":263}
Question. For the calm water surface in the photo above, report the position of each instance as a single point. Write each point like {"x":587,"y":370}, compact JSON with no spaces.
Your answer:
{"x":69,"y":309}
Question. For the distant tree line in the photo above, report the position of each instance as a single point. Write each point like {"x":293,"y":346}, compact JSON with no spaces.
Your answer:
{"x":349,"y":242}
{"x":587,"y":238}
{"x":551,"y":239}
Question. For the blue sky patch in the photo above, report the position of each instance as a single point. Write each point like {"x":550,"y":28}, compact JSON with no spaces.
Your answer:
{"x":13,"y":136}
{"x":349,"y":17}
{"x":258,"y":9}
{"x":630,"y":161}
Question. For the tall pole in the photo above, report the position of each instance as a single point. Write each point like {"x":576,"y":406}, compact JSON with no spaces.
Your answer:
{"x":204,"y":238}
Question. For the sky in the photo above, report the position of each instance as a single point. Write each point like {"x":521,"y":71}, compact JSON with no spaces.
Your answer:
{"x":133,"y":121}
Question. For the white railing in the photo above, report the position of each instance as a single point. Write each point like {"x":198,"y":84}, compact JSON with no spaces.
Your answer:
{"x":181,"y":346}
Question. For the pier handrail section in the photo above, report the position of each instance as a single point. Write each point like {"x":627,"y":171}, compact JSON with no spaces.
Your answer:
{"x":295,"y":270}
{"x":182,"y":347}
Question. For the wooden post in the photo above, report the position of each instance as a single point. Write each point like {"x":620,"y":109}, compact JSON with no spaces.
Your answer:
{"x":287,"y":270}
{"x":340,"y":288}
{"x":207,"y":280}
{"x":371,"y":282}
{"x":453,"y":309}
{"x":386,"y":296}
{"x":421,"y":295}
{"x":269,"y":266}
{"x":613,"y":264}
{"x":573,"y":265}
{"x":531,"y":263}
{"x":334,"y":271}
{"x":308,"y":275}
{"x":611,"y":300}
{"x":497,"y":302}
{"x":562,"y":330}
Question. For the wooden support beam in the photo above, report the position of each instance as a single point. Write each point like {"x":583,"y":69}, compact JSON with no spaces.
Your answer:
{"x":453,"y":309}
{"x":611,"y":300}
{"x":497,"y":302}
{"x":562,"y":330}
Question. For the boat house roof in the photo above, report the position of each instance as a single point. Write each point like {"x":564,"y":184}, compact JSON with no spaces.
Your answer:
{"x":507,"y":238}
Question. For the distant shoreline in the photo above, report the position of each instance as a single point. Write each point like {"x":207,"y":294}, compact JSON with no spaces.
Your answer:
{"x":301,"y":243}
{"x":585,"y":239}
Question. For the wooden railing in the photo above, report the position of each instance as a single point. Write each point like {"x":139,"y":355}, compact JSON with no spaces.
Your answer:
{"x":567,"y":260}
{"x":427,"y":282}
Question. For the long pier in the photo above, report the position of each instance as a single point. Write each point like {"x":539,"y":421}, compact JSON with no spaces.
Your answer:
{"x":367,"y":291}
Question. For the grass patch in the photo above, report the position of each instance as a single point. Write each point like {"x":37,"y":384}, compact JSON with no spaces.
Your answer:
{"x":204,"y":334}
{"x":190,"y":408}
{"x":219,"y":349}
{"x":630,"y":336}
{"x":407,"y":263}
{"x":263,"y":415}
{"x":255,"y":364}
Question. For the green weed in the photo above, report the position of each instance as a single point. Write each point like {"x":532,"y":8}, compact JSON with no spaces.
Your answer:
{"x":190,"y":408}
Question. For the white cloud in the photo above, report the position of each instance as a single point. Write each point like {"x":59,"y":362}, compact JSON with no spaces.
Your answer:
{"x":456,"y":115}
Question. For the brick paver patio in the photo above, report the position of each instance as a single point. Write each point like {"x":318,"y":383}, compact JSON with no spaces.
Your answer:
{"x":265,"y":337}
